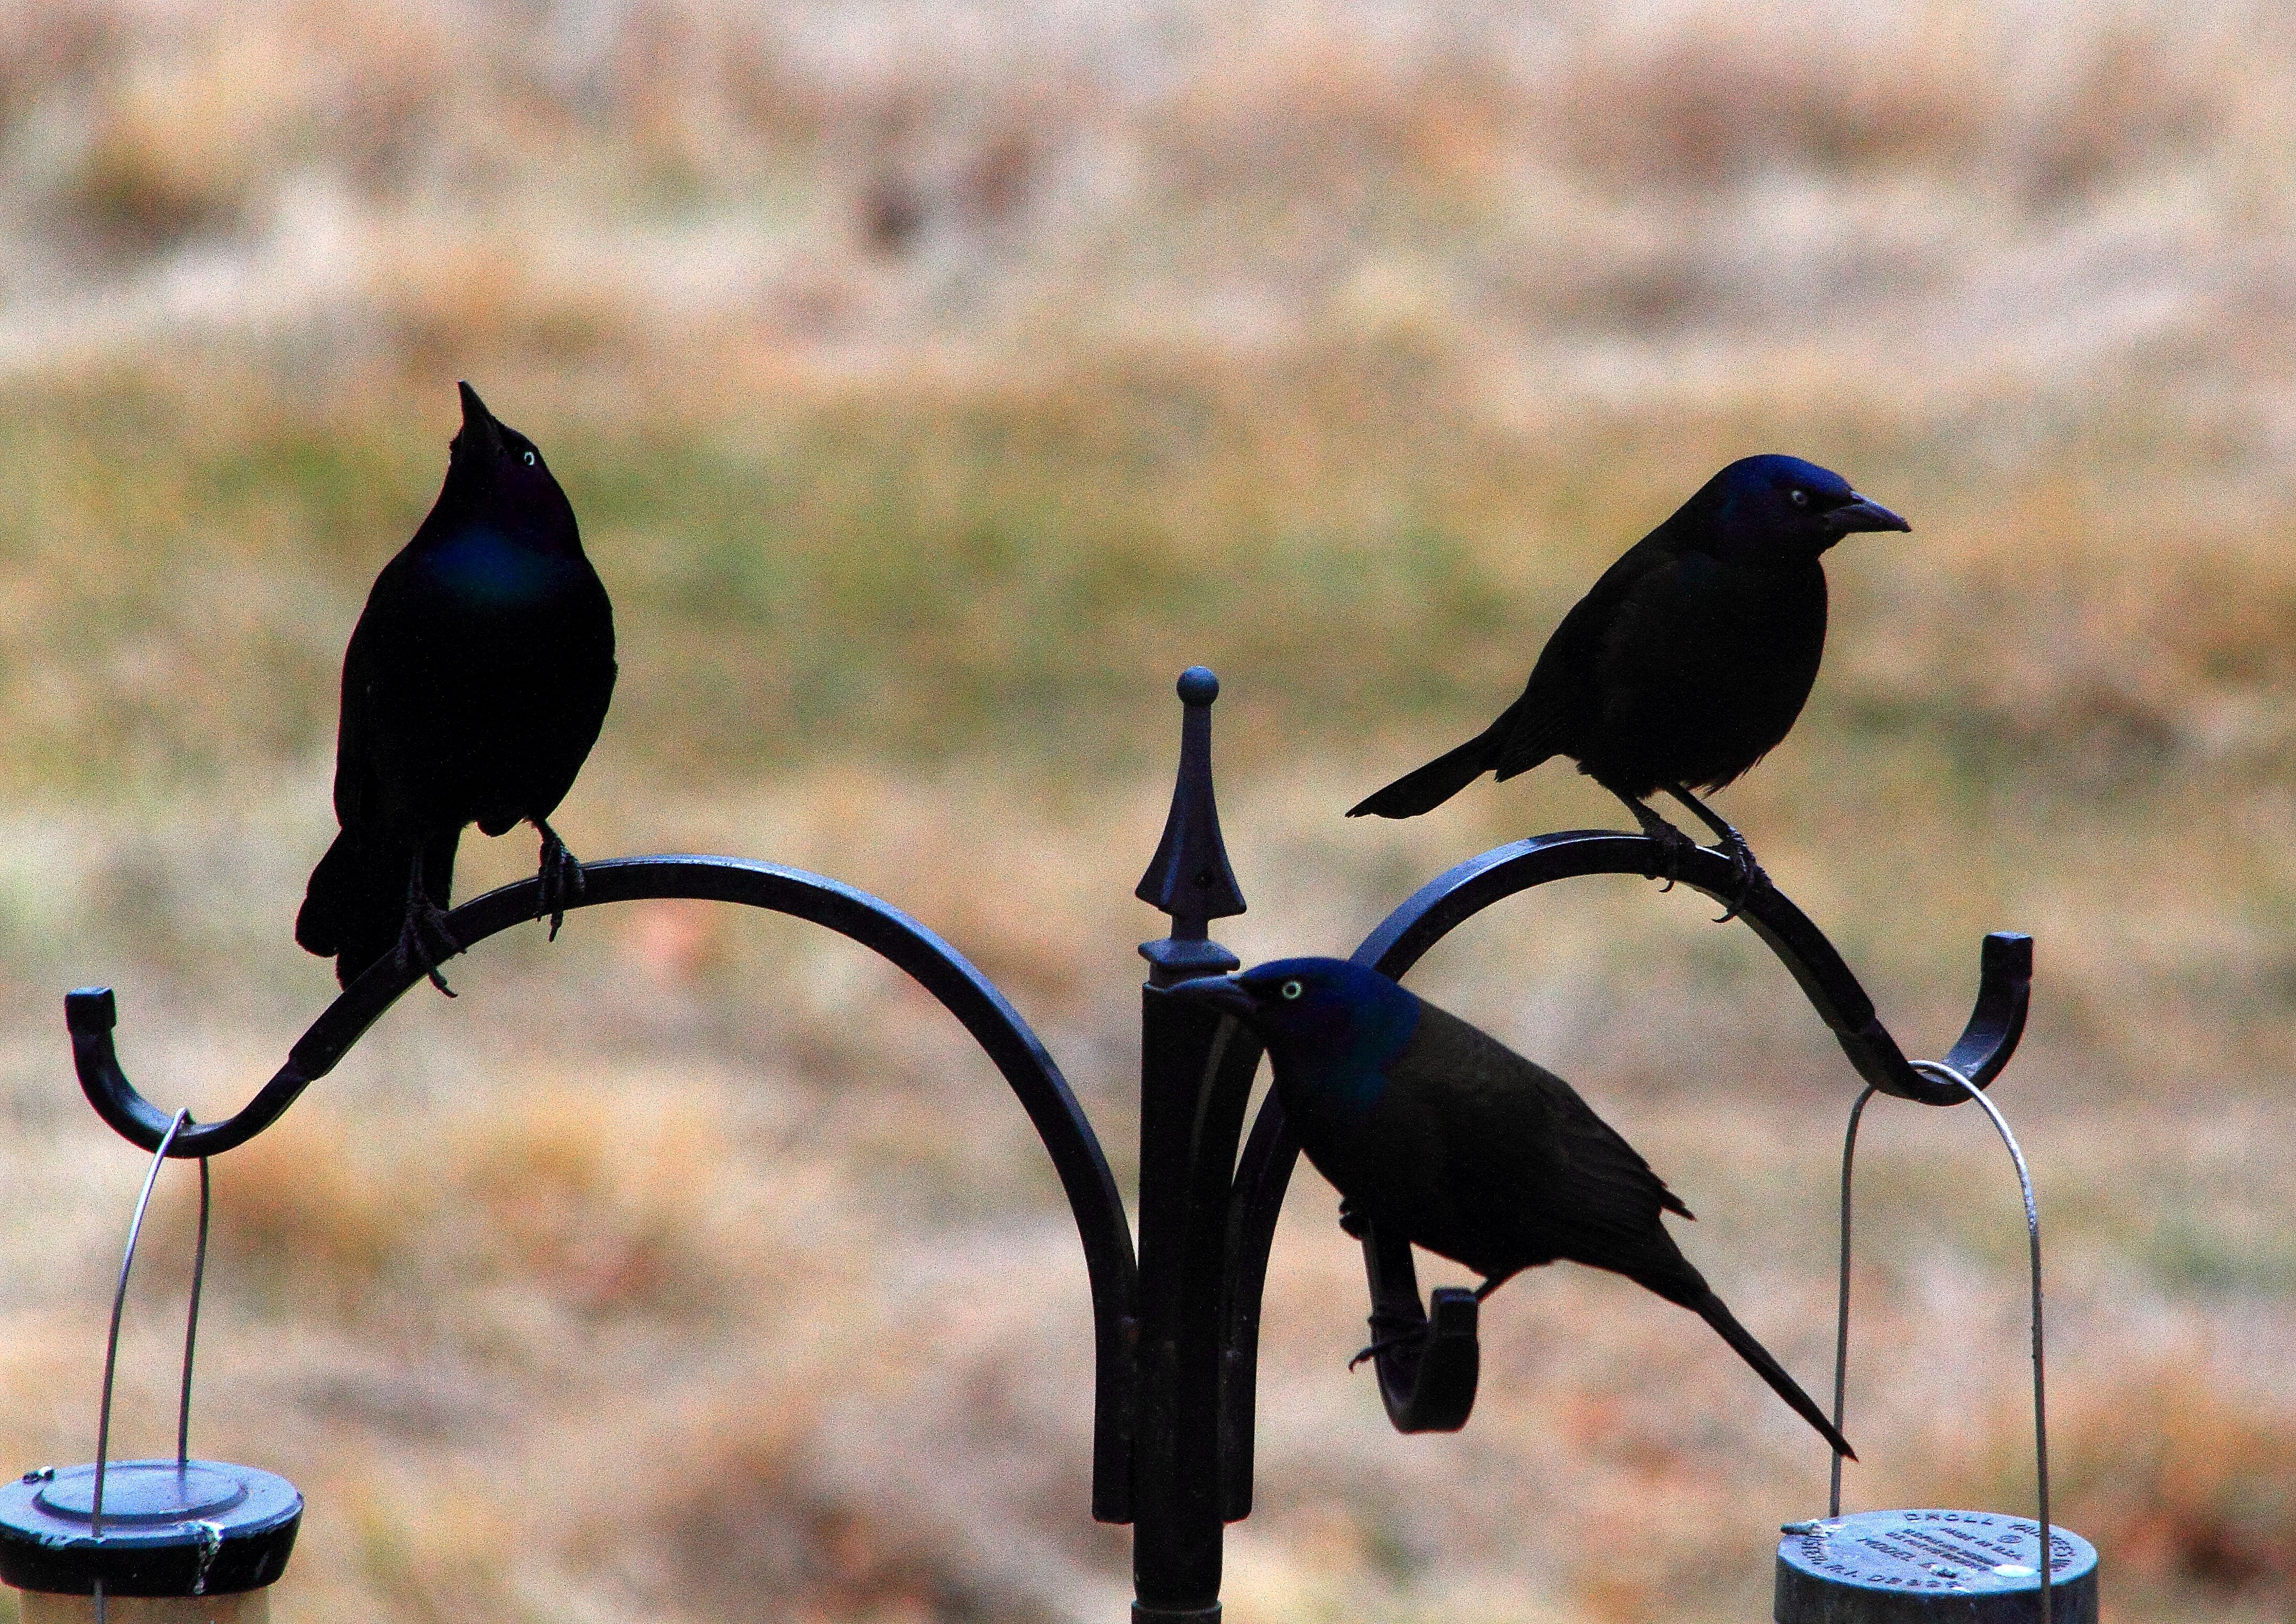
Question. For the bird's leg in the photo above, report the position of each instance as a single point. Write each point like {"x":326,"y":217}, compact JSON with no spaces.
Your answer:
{"x":1750,"y":877}
{"x":1388,"y":1329}
{"x":1673,"y":844}
{"x":561,"y":874}
{"x":424,"y":934}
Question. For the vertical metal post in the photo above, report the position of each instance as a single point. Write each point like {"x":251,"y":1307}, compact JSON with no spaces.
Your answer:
{"x":1195,"y":1078}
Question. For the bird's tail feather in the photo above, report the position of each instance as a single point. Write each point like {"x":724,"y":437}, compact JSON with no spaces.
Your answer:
{"x":1710,"y":1309}
{"x":1425,"y":788}
{"x":355,"y":905}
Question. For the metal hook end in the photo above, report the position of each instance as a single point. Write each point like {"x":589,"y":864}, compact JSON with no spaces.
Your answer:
{"x":1428,"y":1362}
{"x":90,"y":1010}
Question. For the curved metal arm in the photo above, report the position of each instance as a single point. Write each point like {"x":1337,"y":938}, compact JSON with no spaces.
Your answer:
{"x":2005,"y":969}
{"x":939,"y":968}
{"x":1415,"y":1389}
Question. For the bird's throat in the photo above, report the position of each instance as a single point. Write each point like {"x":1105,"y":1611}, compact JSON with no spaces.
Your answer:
{"x":482,"y":567}
{"x":1344,"y":1070}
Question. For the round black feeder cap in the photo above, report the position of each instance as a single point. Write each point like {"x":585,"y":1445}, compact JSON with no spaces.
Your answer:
{"x":205,"y":1528}
{"x":1914,"y":1567}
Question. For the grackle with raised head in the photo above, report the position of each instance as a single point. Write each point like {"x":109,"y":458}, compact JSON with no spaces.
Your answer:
{"x":1433,"y":1130}
{"x":1687,"y":662}
{"x":475,"y":684}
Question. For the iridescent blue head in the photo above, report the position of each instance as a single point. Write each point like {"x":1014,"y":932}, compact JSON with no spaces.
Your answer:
{"x":1330,"y":1025}
{"x":1777,"y":507}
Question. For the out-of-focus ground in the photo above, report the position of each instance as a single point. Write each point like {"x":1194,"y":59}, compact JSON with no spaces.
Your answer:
{"x":934,"y":382}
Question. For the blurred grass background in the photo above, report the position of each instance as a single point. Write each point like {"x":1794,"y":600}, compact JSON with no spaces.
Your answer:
{"x":934,"y":382}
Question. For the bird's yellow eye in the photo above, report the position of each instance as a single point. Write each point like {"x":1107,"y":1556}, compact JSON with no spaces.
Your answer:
{"x":1290,"y":989}
{"x":529,"y":459}
{"x":1800,"y":496}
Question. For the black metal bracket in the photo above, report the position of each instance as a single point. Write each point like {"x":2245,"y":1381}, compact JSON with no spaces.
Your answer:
{"x":1431,"y":1387}
{"x":92,"y":1013}
{"x":1176,"y":1326}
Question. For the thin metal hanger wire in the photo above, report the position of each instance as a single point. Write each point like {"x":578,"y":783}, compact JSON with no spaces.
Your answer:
{"x":191,"y":1323}
{"x":112,"y":1342}
{"x":118,"y":1306}
{"x":1940,"y":1072}
{"x":1842,"y":1316}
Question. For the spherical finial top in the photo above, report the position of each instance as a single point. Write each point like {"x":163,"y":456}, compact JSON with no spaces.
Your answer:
{"x":1198,"y":686}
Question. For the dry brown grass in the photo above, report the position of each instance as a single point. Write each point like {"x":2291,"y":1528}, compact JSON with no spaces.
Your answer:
{"x":933,"y":384}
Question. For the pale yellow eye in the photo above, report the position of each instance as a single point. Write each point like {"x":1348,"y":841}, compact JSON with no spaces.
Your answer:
{"x":1800,"y":496}
{"x":529,"y":459}
{"x":1290,"y":989}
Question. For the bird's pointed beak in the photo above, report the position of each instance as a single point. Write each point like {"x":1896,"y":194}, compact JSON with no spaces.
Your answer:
{"x":480,"y":432}
{"x":1858,"y":514}
{"x":1224,"y":993}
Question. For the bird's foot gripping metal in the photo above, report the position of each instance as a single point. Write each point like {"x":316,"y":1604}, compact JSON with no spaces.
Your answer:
{"x":559,"y":874}
{"x":1428,"y":1362}
{"x":426,"y":939}
{"x":1670,"y":847}
{"x":1752,"y":880}
{"x":1390,"y":1330}
{"x":1732,"y":845}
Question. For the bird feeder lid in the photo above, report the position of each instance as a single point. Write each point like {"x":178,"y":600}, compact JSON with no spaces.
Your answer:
{"x":1914,"y":1567}
{"x":201,"y":1528}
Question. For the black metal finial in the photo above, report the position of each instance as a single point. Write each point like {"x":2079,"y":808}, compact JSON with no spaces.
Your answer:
{"x":1189,"y":877}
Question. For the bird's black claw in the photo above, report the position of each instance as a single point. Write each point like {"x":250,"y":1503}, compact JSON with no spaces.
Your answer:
{"x":1418,"y":1332}
{"x":425,"y":941}
{"x":1752,"y":880}
{"x":562,"y":882}
{"x":1673,"y":846}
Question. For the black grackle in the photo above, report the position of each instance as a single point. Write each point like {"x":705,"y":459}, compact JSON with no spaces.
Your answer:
{"x":1433,"y":1130}
{"x":1685,"y":664}
{"x":475,"y":685}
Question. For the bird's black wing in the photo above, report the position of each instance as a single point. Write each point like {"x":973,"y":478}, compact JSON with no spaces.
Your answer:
{"x":1564,"y":694}
{"x":1528,"y":1172}
{"x":355,"y":901}
{"x":354,"y":740}
{"x":1702,"y":670}
{"x":580,"y":689}
{"x":385,"y":700}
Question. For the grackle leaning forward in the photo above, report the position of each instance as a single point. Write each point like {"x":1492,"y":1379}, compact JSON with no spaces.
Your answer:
{"x":475,"y":685}
{"x":1433,"y":1130}
{"x":1687,"y":662}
